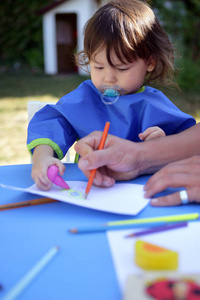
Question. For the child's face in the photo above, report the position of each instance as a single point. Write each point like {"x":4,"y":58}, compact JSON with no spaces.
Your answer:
{"x":129,"y":76}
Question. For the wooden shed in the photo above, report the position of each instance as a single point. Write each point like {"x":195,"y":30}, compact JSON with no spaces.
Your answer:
{"x":63,"y":23}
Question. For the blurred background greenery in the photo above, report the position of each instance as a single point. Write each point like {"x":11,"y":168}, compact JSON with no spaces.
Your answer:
{"x":21,"y":66}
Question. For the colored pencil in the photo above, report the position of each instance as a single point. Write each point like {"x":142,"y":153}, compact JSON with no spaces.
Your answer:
{"x":172,"y":218}
{"x":27,"y":203}
{"x":136,"y":223}
{"x":102,"y":228}
{"x":158,"y":229}
{"x":101,"y":145}
{"x":31,"y":274}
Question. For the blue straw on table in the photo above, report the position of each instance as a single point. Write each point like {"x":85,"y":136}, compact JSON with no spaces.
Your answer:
{"x":31,"y":274}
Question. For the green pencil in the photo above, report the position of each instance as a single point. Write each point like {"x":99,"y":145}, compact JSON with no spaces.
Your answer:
{"x":172,"y":218}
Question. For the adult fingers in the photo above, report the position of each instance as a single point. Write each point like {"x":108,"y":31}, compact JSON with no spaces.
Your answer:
{"x":193,"y":194}
{"x":95,"y":159}
{"x":103,"y":180}
{"x":88,"y":143}
{"x":173,"y":174}
{"x":169,"y":200}
{"x":182,"y":166}
{"x":174,"y":180}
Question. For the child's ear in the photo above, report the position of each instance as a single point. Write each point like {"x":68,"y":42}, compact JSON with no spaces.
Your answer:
{"x":151,"y":64}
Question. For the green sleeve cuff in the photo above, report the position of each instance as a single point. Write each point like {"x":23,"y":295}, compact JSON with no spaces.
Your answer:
{"x":44,"y":141}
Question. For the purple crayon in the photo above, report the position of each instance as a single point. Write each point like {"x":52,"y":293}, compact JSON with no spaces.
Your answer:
{"x":52,"y":174}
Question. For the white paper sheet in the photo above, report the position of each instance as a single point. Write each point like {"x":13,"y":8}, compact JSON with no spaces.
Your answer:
{"x":123,"y":198}
{"x":184,"y":240}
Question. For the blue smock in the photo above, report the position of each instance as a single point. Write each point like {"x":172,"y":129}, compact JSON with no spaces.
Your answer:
{"x":81,"y":112}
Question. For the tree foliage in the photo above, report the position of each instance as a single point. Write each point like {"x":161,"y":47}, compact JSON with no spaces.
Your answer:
{"x":181,"y":19}
{"x":21,"y":31}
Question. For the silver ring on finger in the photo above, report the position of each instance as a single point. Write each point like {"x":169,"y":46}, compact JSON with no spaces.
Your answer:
{"x":184,"y":197}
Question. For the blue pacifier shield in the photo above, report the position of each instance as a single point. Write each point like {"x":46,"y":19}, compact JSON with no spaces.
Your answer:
{"x":110,"y":94}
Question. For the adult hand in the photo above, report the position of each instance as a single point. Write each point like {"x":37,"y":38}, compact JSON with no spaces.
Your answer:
{"x":117,"y":161}
{"x":184,"y":173}
{"x":124,"y":160}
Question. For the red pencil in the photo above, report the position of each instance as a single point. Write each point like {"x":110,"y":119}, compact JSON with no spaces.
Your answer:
{"x":101,"y":145}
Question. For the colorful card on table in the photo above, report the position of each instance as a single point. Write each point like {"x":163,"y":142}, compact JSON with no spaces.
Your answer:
{"x":185,"y":241}
{"x":164,"y":285}
{"x":123,"y":198}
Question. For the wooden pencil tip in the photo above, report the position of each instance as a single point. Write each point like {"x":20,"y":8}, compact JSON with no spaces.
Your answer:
{"x":130,"y":235}
{"x":73,"y":230}
{"x":85,"y":195}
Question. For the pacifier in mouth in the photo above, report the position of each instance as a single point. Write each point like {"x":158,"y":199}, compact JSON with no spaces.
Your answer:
{"x":110,"y":94}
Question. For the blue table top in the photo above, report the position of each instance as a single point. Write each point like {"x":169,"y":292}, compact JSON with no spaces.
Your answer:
{"x":83,"y":268}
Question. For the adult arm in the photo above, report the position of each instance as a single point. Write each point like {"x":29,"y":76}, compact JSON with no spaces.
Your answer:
{"x":124,"y":160}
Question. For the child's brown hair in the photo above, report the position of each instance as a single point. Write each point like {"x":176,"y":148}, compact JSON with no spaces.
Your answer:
{"x":131,"y":29}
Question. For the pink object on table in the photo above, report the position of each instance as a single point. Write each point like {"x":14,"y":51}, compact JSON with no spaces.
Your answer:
{"x":52,"y":174}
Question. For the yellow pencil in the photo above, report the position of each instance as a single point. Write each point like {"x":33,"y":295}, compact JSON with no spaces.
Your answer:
{"x":93,"y":172}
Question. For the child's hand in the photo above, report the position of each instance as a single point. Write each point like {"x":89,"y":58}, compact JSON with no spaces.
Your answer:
{"x":42,"y":160}
{"x":39,"y":172}
{"x":151,"y":133}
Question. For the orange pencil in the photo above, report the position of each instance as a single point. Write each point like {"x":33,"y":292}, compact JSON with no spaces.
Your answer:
{"x":101,"y":145}
{"x":26,"y":203}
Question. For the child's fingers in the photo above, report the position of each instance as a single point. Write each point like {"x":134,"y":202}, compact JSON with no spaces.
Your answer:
{"x":61,"y":167}
{"x":43,"y":182}
{"x":151,"y":133}
{"x":146,"y":133}
{"x":155,"y":135}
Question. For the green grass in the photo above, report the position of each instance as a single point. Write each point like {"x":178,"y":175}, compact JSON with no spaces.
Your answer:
{"x":29,"y":85}
{"x":17,"y":89}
